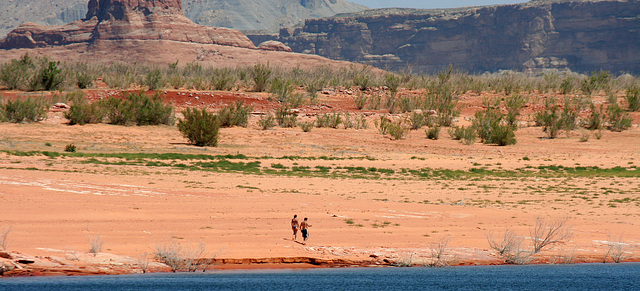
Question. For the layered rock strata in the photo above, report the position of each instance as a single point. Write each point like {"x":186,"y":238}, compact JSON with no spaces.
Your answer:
{"x":578,"y":35}
{"x":125,"y":20}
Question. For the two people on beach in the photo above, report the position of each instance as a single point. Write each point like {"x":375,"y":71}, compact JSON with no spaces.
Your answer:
{"x":303,"y":226}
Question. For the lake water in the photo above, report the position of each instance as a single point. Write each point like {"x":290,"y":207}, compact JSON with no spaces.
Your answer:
{"x":536,"y":277}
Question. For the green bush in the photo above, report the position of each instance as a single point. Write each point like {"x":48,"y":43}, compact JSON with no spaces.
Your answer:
{"x":362,"y":77}
{"x":236,"y":114}
{"x":261,"y":75}
{"x":266,"y":121}
{"x":306,"y":126}
{"x":200,"y":127}
{"x":70,"y":148}
{"x":492,"y":129}
{"x":15,"y":74}
{"x":502,"y":135}
{"x":138,"y":109}
{"x":397,"y":130}
{"x":393,"y":81}
{"x":286,"y":117}
{"x":332,"y":120}
{"x":633,"y":98}
{"x":617,"y":118}
{"x":49,"y":76}
{"x":223,"y":79}
{"x":82,"y":112}
{"x":281,"y":89}
{"x":433,"y":132}
{"x":117,"y":111}
{"x":550,"y":118}
{"x":154,"y":80}
{"x":150,"y":110}
{"x":361,"y":100}
{"x":594,"y":120}
{"x":514,"y":104}
{"x":24,"y":110}
{"x":417,"y":120}
{"x":84,"y":80}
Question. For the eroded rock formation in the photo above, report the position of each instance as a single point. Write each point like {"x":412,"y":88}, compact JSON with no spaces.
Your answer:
{"x":125,"y":20}
{"x":578,"y":35}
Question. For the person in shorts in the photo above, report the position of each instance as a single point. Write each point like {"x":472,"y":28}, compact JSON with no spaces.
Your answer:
{"x":304,"y":228}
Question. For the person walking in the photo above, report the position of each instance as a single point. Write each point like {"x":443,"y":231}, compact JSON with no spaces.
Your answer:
{"x":294,"y":226}
{"x":304,"y":228}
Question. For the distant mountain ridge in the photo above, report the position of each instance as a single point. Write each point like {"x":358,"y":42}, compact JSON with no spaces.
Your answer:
{"x":559,"y":34}
{"x":238,"y":14}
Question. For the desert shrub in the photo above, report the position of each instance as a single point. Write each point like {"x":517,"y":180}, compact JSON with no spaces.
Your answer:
{"x":595,"y":119}
{"x":597,"y":81}
{"x":306,"y":126}
{"x":137,"y":108}
{"x":550,"y":118}
{"x":374,"y":102}
{"x":362,"y":77}
{"x":154,"y":79}
{"x":332,"y":120}
{"x":70,"y":148}
{"x":236,"y":114}
{"x":82,"y":112}
{"x":286,"y":117}
{"x":442,"y":100}
{"x":360,"y":122}
{"x":261,"y":75}
{"x":632,"y":97}
{"x":24,"y":110}
{"x":417,"y":120}
{"x":406,"y":104}
{"x":433,"y":132}
{"x":84,"y":80}
{"x":514,"y":104}
{"x":584,"y":135}
{"x":16,"y":73}
{"x":617,"y":118}
{"x":485,"y":121}
{"x":502,"y":135}
{"x":393,"y":81}
{"x":397,"y":130}
{"x":200,"y":127}
{"x":47,"y":77}
{"x":492,"y":129}
{"x":281,"y":89}
{"x":569,"y":115}
{"x":466,"y":135}
{"x":361,"y":100}
{"x":266,"y":121}
{"x":568,"y":85}
{"x":348,"y":121}
{"x":222,"y":79}
{"x":117,"y":111}
{"x":392,"y":103}
{"x":150,"y":110}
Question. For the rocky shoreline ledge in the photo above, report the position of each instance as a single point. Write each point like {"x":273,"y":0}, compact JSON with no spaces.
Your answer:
{"x":15,"y":264}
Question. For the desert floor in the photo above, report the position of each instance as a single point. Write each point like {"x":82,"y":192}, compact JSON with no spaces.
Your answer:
{"x":53,"y":206}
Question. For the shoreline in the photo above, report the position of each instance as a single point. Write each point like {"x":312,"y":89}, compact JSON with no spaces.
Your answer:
{"x":21,"y":265}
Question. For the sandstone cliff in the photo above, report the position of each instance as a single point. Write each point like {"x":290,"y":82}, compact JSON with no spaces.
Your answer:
{"x":125,"y":20}
{"x":269,"y":15}
{"x":578,"y":35}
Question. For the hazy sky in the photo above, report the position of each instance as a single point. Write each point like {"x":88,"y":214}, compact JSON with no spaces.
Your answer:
{"x":431,"y":3}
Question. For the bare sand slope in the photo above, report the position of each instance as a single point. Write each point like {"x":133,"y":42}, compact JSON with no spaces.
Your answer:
{"x":55,"y":205}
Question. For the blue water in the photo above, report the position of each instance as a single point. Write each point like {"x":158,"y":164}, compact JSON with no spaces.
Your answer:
{"x":538,"y":277}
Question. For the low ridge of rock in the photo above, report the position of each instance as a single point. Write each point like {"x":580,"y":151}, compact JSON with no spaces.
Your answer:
{"x":273,"y":45}
{"x":125,"y":20}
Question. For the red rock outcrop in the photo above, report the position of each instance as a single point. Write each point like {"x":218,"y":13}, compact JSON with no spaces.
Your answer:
{"x":273,"y":45}
{"x":125,"y":20}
